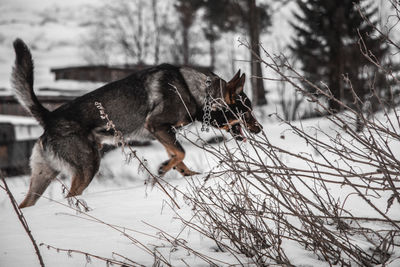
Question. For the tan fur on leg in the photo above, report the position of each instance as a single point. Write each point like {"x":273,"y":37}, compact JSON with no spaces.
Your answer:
{"x":76,"y":186}
{"x":185,"y":171}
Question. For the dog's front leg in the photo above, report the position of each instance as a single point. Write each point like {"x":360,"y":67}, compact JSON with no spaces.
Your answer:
{"x":185,"y":171}
{"x":175,"y":151}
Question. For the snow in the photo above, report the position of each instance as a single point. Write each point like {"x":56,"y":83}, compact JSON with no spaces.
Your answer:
{"x":56,"y":225}
{"x":121,"y":195}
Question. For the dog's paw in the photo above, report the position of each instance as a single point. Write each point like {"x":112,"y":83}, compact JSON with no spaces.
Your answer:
{"x":184,"y":170}
{"x":161,"y":169}
{"x":188,"y":172}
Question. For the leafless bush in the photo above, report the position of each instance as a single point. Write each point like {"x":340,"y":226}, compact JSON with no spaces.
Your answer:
{"x":265,"y":198}
{"x":262,"y":203}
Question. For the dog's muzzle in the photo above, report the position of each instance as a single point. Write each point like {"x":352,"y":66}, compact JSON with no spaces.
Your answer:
{"x":253,"y":125}
{"x":256,"y":128}
{"x":237,"y":132}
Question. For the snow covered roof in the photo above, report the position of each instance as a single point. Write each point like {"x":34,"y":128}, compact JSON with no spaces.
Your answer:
{"x":60,"y":88}
{"x":17,"y":120}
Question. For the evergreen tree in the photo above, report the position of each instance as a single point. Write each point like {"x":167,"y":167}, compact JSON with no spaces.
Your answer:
{"x":327,"y":43}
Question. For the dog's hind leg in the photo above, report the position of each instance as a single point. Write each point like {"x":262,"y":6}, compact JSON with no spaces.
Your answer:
{"x":85,"y":168}
{"x":81,"y":180}
{"x":76,"y":185}
{"x":41,"y":176}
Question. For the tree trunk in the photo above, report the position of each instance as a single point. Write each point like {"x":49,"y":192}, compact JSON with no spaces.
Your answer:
{"x":232,"y":54}
{"x":336,"y":85}
{"x":185,"y":44}
{"x":212,"y":53}
{"x":139,"y":34}
{"x":157,"y":29}
{"x":257,"y":84}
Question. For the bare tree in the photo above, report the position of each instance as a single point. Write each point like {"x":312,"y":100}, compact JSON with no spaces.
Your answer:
{"x":228,"y":16}
{"x":125,"y":32}
{"x":187,"y":14}
{"x":157,"y":31}
{"x":257,"y":82}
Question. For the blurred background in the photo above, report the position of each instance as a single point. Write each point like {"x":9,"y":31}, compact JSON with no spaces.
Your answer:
{"x":78,"y":45}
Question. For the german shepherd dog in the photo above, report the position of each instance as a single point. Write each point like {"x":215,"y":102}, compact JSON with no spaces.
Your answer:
{"x":150,"y":102}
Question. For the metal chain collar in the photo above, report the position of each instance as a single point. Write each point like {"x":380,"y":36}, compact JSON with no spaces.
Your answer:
{"x":205,"y":126}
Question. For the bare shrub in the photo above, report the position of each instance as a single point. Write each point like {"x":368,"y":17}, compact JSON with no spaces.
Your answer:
{"x":261,"y":203}
{"x":265,"y":198}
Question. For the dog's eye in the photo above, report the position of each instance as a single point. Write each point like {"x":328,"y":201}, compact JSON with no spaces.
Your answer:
{"x":246,"y":115}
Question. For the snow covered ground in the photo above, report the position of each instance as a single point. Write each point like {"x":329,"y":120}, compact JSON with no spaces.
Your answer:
{"x":120,"y":196}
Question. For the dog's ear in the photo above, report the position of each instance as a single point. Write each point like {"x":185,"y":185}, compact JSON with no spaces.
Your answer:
{"x":237,"y":75}
{"x":234,"y":88}
{"x":240,"y":85}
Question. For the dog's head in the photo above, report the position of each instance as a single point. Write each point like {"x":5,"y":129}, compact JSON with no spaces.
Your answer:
{"x":238,"y":109}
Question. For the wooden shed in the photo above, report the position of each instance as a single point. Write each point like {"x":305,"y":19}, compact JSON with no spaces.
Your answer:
{"x":17,"y":136}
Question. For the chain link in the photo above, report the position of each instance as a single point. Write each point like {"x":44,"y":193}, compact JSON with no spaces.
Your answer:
{"x":205,"y":126}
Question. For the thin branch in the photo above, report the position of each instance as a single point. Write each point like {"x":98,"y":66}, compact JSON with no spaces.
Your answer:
{"x":22,"y":219}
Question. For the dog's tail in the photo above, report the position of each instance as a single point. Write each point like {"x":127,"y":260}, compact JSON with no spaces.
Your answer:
{"x":22,"y":82}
